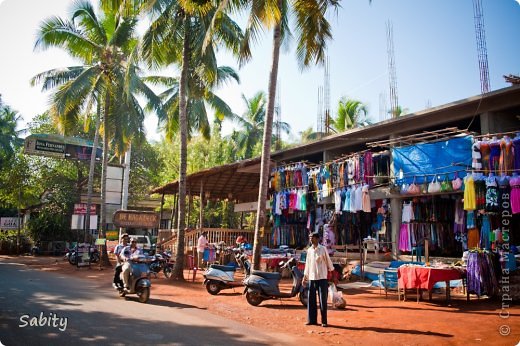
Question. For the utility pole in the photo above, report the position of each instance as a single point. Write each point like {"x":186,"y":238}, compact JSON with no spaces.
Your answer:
{"x":126,"y":182}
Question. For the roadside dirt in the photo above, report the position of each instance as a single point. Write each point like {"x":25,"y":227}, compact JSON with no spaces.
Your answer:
{"x":369,"y":318}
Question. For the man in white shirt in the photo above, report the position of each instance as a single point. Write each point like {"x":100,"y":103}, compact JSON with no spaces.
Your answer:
{"x":317,"y":266}
{"x":202,"y":244}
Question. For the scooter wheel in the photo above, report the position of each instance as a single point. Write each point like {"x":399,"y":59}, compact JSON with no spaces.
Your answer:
{"x":72,"y":259}
{"x":254,"y":298}
{"x":94,"y":258}
{"x":212,"y":287}
{"x":143,"y":294}
{"x":304,"y":297}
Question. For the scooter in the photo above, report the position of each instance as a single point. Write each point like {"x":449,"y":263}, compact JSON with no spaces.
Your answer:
{"x":260,"y":286}
{"x":219,"y":277}
{"x":161,"y":262}
{"x":139,"y":282}
{"x":71,"y":255}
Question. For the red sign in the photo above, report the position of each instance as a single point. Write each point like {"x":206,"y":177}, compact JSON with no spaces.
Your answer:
{"x":81,"y":208}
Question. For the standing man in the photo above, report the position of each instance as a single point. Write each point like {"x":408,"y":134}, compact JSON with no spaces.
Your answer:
{"x":317,"y":265}
{"x":119,"y":266}
{"x":202,"y":244}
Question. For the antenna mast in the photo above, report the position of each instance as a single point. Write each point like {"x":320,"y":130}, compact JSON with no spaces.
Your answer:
{"x":326,"y":96}
{"x":278,"y":118}
{"x":394,"y":102}
{"x":319,"y":122}
{"x":481,"y":46}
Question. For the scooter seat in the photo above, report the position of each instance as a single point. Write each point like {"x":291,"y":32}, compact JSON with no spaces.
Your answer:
{"x":267,"y":275}
{"x":223,"y":268}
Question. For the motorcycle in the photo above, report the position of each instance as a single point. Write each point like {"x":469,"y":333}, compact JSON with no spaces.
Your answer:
{"x":139,"y":281}
{"x":219,"y":277}
{"x":260,"y":286}
{"x":161,"y":262}
{"x":72,"y":257}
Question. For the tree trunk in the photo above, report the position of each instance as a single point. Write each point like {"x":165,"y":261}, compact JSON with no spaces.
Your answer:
{"x":266,"y":150}
{"x":178,"y":272}
{"x":103,"y":214}
{"x":92,"y":168}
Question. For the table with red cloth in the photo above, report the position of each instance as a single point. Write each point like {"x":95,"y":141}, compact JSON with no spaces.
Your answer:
{"x":423,"y":278}
{"x":272,"y":261}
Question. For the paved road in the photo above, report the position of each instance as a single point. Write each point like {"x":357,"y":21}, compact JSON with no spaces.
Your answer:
{"x":95,"y":315}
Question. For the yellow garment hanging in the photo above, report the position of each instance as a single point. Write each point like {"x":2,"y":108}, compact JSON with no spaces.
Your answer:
{"x":470,"y":202}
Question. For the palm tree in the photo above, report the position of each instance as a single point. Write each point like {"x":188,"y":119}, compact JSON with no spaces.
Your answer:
{"x":9,"y":140}
{"x":308,"y":135}
{"x":180,"y":34}
{"x":399,"y":111}
{"x":107,"y":78}
{"x":312,"y":32}
{"x":199,"y":94}
{"x":252,"y":124}
{"x":351,"y":114}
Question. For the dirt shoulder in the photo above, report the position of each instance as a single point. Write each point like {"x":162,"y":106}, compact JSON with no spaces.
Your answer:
{"x":369,"y":318}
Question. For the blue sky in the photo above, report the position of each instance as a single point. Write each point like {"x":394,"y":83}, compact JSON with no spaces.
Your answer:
{"x":435,"y":56}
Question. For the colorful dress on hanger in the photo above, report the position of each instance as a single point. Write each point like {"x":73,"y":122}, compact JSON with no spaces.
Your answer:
{"x":506,"y":162}
{"x":514,"y":182}
{"x":469,"y":193}
{"x":491,"y":194}
{"x":485,"y":152}
{"x":516,"y":150}
{"x":494,"y":156}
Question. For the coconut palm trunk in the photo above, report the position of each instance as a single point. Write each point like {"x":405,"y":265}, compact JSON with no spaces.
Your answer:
{"x":183,"y":125}
{"x":92,"y":168}
{"x":266,"y":147}
{"x":103,"y":214}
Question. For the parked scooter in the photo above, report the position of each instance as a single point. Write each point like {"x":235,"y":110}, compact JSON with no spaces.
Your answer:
{"x":219,"y":277}
{"x":72,"y":257}
{"x":139,"y":282}
{"x":260,"y":286}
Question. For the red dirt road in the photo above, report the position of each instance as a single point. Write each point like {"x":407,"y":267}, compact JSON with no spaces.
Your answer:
{"x":368,"y":319}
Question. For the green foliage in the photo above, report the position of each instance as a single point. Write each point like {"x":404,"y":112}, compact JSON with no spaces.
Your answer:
{"x":144,"y":168}
{"x":248,"y":138}
{"x":9,"y":140}
{"x":351,"y":114}
{"x":50,"y":224}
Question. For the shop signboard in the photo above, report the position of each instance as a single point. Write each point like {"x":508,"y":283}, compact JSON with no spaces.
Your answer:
{"x":53,"y":145}
{"x":9,"y":222}
{"x":135,"y":219}
{"x":81,"y":209}
{"x":83,"y":253}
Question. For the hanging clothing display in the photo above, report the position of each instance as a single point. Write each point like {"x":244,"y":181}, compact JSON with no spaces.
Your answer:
{"x":481,"y":277}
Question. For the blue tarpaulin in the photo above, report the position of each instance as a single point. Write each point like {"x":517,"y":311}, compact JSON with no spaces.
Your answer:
{"x":440,"y":158}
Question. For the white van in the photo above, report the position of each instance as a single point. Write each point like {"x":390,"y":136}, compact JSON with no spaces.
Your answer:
{"x":143,"y":241}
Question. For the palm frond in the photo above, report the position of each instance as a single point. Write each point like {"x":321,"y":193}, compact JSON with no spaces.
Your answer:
{"x":85,"y":12}
{"x":56,"y":32}
{"x":55,"y":77}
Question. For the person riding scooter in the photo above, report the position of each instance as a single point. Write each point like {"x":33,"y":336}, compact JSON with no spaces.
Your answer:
{"x":126,"y":255}
{"x":117,"y":282}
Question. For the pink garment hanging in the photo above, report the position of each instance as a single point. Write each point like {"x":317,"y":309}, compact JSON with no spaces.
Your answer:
{"x":404,"y":237}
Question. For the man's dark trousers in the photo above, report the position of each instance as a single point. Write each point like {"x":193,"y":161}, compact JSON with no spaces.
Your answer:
{"x":322,"y":287}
